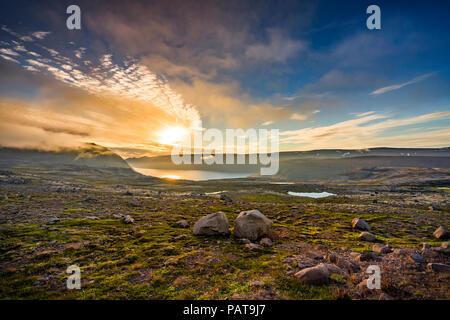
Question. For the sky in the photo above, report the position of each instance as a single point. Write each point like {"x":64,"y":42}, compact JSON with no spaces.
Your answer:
{"x":141,"y":73}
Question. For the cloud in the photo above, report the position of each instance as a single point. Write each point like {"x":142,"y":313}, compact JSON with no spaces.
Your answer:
{"x":401,"y":85}
{"x":361,"y":132}
{"x":279,"y":48}
{"x":40,"y":34}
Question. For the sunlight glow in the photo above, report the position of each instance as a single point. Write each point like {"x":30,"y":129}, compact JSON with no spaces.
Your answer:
{"x":171,"y":176}
{"x":172,"y":135}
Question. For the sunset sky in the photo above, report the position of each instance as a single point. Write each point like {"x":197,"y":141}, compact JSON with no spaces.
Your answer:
{"x":140,"y":73}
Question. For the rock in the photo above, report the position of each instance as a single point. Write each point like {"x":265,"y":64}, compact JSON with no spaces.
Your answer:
{"x":251,"y":225}
{"x":381,"y":248}
{"x":224,"y":197}
{"x":416,"y":258}
{"x":360,"y":224}
{"x":182,"y":224}
{"x":134,"y":203}
{"x":367,"y":236}
{"x":385,"y":296}
{"x":128,"y":193}
{"x":212,"y":224}
{"x":438,"y":267}
{"x":362,"y":285}
{"x":369,"y":256}
{"x":445,"y":245}
{"x":91,"y":199}
{"x":253,"y":246}
{"x":332,"y":268}
{"x":257,"y":284}
{"x":54,"y":220}
{"x":265,"y":242}
{"x":128,"y":220}
{"x":343,"y":263}
{"x":118,"y":215}
{"x":92,"y":218}
{"x":244,"y":241}
{"x":5,"y":197}
{"x":314,"y":275}
{"x":441,"y":233}
{"x":179,"y":237}
{"x":424,"y":246}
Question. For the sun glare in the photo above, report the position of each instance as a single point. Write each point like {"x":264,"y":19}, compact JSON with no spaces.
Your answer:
{"x":171,"y":176}
{"x":172,"y":135}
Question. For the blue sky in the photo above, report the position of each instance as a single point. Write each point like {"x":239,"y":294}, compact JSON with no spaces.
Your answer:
{"x":308,"y":68}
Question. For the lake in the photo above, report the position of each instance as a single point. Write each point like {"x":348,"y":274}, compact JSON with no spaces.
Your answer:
{"x":195,"y":175}
{"x":315,"y":195}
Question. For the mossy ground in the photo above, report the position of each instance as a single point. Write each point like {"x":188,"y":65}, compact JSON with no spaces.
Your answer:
{"x":154,"y":259}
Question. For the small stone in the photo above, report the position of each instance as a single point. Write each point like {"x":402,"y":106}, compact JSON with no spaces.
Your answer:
{"x":424,"y":246}
{"x":54,"y":220}
{"x":381,"y":248}
{"x":416,"y":258}
{"x":367,"y":236}
{"x":257,"y":284}
{"x":385,"y":296}
{"x":438,"y":267}
{"x":118,"y":215}
{"x":134,"y":203}
{"x":224,"y":197}
{"x":314,"y":275}
{"x":332,"y":268}
{"x":265,"y":242}
{"x":343,"y":263}
{"x":253,"y":246}
{"x":92,"y":218}
{"x":182,"y":224}
{"x":360,"y":224}
{"x":445,"y":245}
{"x":369,"y":256}
{"x":244,"y":241}
{"x":441,"y":233}
{"x":128,"y":220}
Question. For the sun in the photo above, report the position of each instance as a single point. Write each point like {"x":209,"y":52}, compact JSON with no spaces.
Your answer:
{"x":172,"y":135}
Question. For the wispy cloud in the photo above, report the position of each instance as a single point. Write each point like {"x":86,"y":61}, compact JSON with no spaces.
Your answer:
{"x":363,"y":131}
{"x":401,"y":85}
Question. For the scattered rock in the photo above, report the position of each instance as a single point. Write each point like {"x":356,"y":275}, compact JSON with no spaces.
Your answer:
{"x":54,"y":220}
{"x":385,"y":296}
{"x":367,"y":236}
{"x":128,"y":220}
{"x":182,"y":224}
{"x":5,"y":197}
{"x":134,"y":203}
{"x":369,"y":256}
{"x":314,"y":275}
{"x":416,"y":258}
{"x":381,"y":248}
{"x":212,"y":224}
{"x":360,"y":224}
{"x":265,"y":242}
{"x":92,"y":218}
{"x":445,"y":245}
{"x":343,"y":263}
{"x":253,"y":246}
{"x":438,"y":267}
{"x":257,"y":284}
{"x":441,"y":233}
{"x":332,"y":268}
{"x":251,"y":225}
{"x":244,"y":241}
{"x":224,"y":197}
{"x":118,"y":216}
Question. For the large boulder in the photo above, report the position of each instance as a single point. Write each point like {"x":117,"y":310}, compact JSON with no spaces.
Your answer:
{"x":441,"y":233}
{"x":360,"y":224}
{"x":251,"y":225}
{"x":314,"y":275}
{"x":212,"y":225}
{"x":438,"y":267}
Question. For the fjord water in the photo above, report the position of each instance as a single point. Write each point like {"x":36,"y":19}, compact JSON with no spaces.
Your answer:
{"x":195,"y":175}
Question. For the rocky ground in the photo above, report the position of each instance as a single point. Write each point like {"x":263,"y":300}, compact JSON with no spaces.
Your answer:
{"x":135,"y":239}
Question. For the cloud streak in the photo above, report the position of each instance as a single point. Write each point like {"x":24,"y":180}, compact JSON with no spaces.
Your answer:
{"x":401,"y":85}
